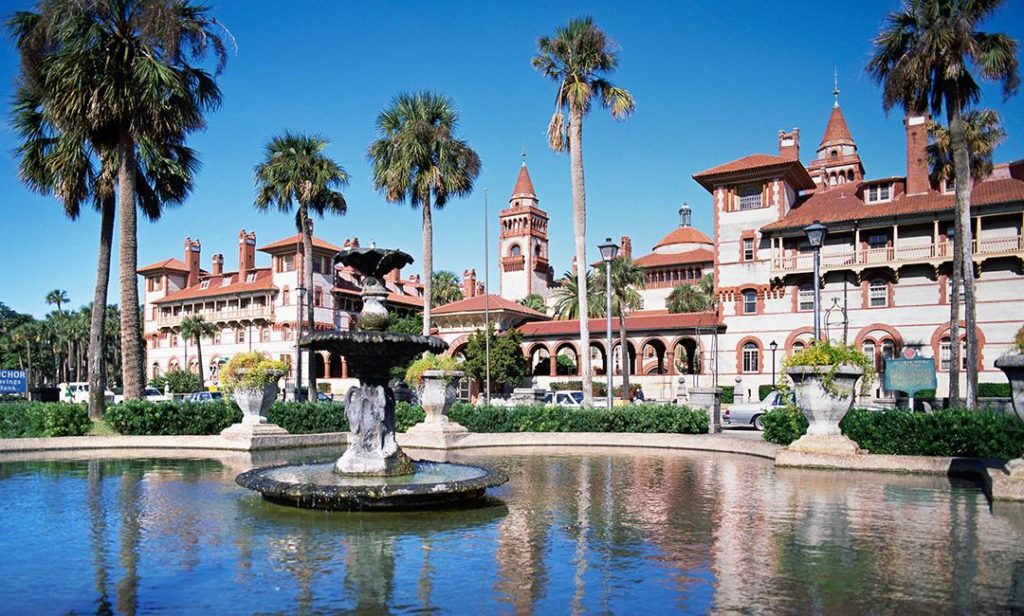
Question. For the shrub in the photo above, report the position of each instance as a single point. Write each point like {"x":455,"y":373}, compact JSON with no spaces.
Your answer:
{"x":36,"y":419}
{"x":827,"y":357}
{"x":1018,"y":341}
{"x":728,"y":394}
{"x":994,"y":390}
{"x":764,"y":390}
{"x":407,"y":416}
{"x":648,"y":418}
{"x":308,"y":417}
{"x":177,"y":381}
{"x":948,"y":432}
{"x":140,"y":417}
{"x":251,"y":371}
{"x":414,"y":374}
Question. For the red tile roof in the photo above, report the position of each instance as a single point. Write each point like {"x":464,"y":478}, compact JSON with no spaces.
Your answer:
{"x":701,"y":255}
{"x":683,"y":235}
{"x":477,"y":304}
{"x":841,"y":204}
{"x":524,"y":186}
{"x":295,"y":241}
{"x":216,"y":287}
{"x":836,"y":131}
{"x":647,"y":320}
{"x":167,"y":264}
{"x":794,"y":171}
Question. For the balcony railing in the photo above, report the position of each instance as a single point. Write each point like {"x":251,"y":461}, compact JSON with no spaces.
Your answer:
{"x":869,"y":257}
{"x":252,"y":313}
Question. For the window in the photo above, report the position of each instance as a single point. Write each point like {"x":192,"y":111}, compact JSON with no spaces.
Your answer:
{"x":264,"y":334}
{"x":515,"y":250}
{"x":751,"y":357}
{"x":878,"y":293}
{"x":949,"y":290}
{"x":318,"y":296}
{"x":806,"y":297}
{"x":174,"y":339}
{"x":536,"y":250}
{"x":869,"y":350}
{"x":948,"y":186}
{"x":945,"y":353}
{"x":250,"y":277}
{"x":216,"y":336}
{"x":318,"y":265}
{"x":798,"y":346}
{"x":286,"y":296}
{"x":748,"y":249}
{"x":749,"y":302}
{"x":877,"y":193}
{"x":750,"y":197}
{"x":879,"y":240}
{"x":287,"y":332}
{"x":239,"y":335}
{"x":204,"y":284}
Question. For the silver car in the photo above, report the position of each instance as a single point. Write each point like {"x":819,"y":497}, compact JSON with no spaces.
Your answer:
{"x":751,"y":414}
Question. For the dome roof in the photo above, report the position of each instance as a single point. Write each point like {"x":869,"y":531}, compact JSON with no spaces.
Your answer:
{"x":683,"y":235}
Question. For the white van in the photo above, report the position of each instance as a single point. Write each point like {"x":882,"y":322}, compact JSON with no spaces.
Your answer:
{"x":79,"y":392}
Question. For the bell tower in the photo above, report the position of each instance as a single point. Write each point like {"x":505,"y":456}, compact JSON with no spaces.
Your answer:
{"x":523,"y":243}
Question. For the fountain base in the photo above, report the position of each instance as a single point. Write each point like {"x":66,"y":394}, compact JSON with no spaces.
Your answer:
{"x":374,"y":466}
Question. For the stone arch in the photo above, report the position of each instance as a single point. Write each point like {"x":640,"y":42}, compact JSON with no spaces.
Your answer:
{"x":319,"y":367}
{"x":458,"y":346}
{"x":598,"y":365}
{"x":631,"y":351}
{"x":654,"y":362}
{"x":879,"y":327}
{"x":942,"y":331}
{"x":570,"y":350}
{"x":540,"y":359}
{"x":690,"y":361}
{"x":334,"y":366}
{"x":741,"y":346}
{"x":796,"y":335}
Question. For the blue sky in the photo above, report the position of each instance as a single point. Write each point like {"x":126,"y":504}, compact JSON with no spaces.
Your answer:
{"x":712,"y":83}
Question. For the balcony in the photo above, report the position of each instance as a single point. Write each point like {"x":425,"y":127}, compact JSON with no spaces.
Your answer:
{"x":514,"y":263}
{"x":228,"y":315}
{"x":894,"y":256}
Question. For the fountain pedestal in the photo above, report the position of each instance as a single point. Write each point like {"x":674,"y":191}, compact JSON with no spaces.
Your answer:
{"x":372,"y":449}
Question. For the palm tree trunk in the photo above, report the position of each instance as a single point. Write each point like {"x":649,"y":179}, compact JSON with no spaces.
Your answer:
{"x":624,"y":349}
{"x":307,"y":275}
{"x":97,"y":323}
{"x":199,"y":358}
{"x":131,"y":337}
{"x":962,"y":167}
{"x":579,"y":227}
{"x":428,"y":261}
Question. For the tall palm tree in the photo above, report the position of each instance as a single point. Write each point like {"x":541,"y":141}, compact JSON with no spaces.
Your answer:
{"x":578,"y":58}
{"x":197,"y":328}
{"x":926,"y":57}
{"x":693,"y":298}
{"x":627,"y":277}
{"x":983,"y":131}
{"x":419,"y":160}
{"x":296,"y":171}
{"x":113,"y":80}
{"x":57,"y":297}
{"x":444,"y":288}
{"x":567,"y":298}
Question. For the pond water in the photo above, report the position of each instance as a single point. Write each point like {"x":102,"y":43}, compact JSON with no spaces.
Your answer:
{"x":585,"y":531}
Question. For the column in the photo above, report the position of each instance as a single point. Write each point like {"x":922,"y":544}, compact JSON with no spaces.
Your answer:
{"x":552,"y":365}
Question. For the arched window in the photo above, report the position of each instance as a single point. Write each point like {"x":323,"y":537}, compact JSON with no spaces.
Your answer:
{"x":156,"y":370}
{"x":286,"y":296}
{"x":806,"y":297}
{"x":318,"y":296}
{"x":536,"y":249}
{"x":264,"y":334}
{"x":287,"y":332}
{"x":798,"y":346}
{"x":869,"y":350}
{"x":750,"y":302}
{"x":878,"y":293}
{"x":945,"y":353}
{"x":751,"y":357}
{"x":515,"y":251}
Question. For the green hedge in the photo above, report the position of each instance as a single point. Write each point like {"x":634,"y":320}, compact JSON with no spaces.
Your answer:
{"x":728,"y":393}
{"x":308,"y":417}
{"x":763,"y":390}
{"x":994,"y":390}
{"x":953,"y":432}
{"x":540,"y":418}
{"x":140,"y":417}
{"x":28,"y":419}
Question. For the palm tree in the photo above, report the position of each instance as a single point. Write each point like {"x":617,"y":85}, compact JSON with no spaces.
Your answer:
{"x":693,"y":298}
{"x":983,"y":131}
{"x":444,"y":288}
{"x":577,"y":58}
{"x":197,"y":328}
{"x":58,"y":297}
{"x":535,"y":302}
{"x":567,"y":298}
{"x":627,"y":277}
{"x":419,"y":160}
{"x":924,"y":57}
{"x":297,"y":170}
{"x":111,"y":80}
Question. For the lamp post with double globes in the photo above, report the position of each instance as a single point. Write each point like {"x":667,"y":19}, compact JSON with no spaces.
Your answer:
{"x":816,"y":238}
{"x":773,"y":345}
{"x":609,"y":250}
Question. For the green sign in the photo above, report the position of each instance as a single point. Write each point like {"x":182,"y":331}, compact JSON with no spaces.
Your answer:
{"x":910,"y":375}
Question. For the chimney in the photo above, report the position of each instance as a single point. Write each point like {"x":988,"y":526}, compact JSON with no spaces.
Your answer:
{"x":394,"y":275}
{"x":469,"y":283}
{"x":789,"y":144}
{"x":246,"y":253}
{"x":917,"y":154}
{"x":218,"y":265}
{"x":192,"y":249}
{"x":479,"y":288}
{"x":351,"y":243}
{"x":626,"y":249}
{"x":414,"y":278}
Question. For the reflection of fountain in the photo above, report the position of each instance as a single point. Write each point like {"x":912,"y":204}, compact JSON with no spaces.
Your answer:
{"x":374,"y":472}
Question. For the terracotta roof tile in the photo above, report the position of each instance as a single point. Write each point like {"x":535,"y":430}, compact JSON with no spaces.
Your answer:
{"x":216,"y":287}
{"x":166,"y":264}
{"x":836,"y":131}
{"x":841,"y":204}
{"x":701,"y":255}
{"x":296,"y":241}
{"x":524,"y":186}
{"x":647,"y":320}
{"x":795,"y":173}
{"x":684,"y":235}
{"x":477,"y":304}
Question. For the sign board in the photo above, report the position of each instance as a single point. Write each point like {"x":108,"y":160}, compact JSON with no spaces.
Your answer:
{"x":13,"y":382}
{"x":910,"y":375}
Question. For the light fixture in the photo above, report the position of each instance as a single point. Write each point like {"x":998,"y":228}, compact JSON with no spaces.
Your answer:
{"x":609,"y":250}
{"x":816,"y":234}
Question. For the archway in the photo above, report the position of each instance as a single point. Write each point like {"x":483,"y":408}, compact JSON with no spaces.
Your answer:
{"x":318,"y":366}
{"x":334,"y":366}
{"x":652,"y":357}
{"x":686,"y":356}
{"x":540,"y":360}
{"x":567,"y":359}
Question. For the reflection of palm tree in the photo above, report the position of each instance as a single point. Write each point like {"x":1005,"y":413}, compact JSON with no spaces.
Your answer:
{"x":97,"y":533}
{"x":130,"y":506}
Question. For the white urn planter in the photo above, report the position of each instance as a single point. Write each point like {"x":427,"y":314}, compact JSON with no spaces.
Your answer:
{"x":1012,"y":365}
{"x":1009,"y":485}
{"x":824,"y":407}
{"x":254,"y":402}
{"x":436,"y":393}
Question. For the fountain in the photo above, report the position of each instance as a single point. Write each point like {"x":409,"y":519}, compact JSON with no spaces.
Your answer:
{"x":374,"y":472}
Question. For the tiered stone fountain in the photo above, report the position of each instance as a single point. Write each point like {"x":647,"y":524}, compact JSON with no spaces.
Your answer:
{"x":374,"y":472}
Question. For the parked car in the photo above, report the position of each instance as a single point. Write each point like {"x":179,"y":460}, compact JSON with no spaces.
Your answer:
{"x":564,"y":398}
{"x":150,"y":394}
{"x":79,"y":392}
{"x":750,"y":414}
{"x":205,"y":396}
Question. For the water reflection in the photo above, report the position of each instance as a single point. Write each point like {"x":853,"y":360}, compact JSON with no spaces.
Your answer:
{"x":579,"y":532}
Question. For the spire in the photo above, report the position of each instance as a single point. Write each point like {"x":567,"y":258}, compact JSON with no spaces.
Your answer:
{"x":835,"y":87}
{"x":524,"y":186}
{"x":836,"y":131}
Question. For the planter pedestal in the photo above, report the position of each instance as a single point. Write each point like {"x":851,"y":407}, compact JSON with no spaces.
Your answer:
{"x":254,"y":404}
{"x":830,"y":444}
{"x":1009,"y":484}
{"x":436,"y":393}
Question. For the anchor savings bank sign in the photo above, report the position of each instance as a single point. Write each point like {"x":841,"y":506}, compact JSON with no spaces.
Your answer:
{"x":12,"y":382}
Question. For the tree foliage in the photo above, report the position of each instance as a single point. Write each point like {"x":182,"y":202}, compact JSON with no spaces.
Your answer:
{"x":535,"y":302}
{"x":983,"y":131}
{"x":445,"y":288}
{"x":508,"y":364}
{"x":693,"y":298}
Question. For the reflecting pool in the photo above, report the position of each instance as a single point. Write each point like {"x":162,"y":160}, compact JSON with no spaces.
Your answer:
{"x":584,"y":531}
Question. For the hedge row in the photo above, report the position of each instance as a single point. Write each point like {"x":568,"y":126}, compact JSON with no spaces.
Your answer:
{"x":947,"y":432}
{"x":539,"y":418}
{"x":29,"y":419}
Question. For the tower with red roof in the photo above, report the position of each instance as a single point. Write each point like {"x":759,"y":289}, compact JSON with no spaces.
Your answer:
{"x":523,"y":242}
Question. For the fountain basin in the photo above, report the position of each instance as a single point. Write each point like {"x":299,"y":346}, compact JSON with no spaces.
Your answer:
{"x":318,"y":486}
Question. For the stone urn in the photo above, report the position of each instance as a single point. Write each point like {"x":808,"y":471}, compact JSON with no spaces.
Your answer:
{"x":254,"y":402}
{"x":1012,"y":365}
{"x":824,"y":407}
{"x":437,"y":393}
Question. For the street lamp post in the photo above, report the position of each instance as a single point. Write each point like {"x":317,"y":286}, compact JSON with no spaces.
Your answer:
{"x":300,"y":293}
{"x":816,"y":238}
{"x":609,"y":250}
{"x":773,"y":345}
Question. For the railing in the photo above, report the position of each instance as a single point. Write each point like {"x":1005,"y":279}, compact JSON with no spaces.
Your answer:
{"x":513,"y":263}
{"x":218,"y":316}
{"x":804,"y":261}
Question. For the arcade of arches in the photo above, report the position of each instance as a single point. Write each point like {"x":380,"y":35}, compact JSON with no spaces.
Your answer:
{"x":657,"y":356}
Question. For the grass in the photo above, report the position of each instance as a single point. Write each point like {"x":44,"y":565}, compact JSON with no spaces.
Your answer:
{"x":101,"y":428}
